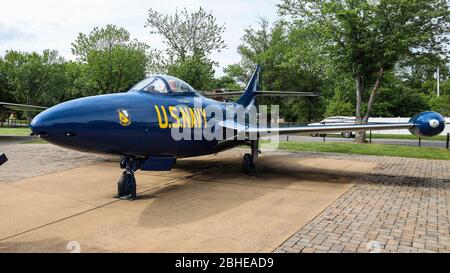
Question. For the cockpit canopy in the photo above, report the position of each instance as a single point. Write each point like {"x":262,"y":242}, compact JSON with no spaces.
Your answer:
{"x":163,"y":84}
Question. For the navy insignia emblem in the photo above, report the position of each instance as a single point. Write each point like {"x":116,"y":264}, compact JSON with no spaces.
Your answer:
{"x":124,"y":117}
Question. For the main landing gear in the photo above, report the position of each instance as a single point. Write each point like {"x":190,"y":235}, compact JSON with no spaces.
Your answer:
{"x":249,"y":160}
{"x":126,"y":187}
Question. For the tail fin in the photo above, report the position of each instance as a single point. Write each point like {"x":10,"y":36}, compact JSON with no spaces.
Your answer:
{"x":253,"y":85}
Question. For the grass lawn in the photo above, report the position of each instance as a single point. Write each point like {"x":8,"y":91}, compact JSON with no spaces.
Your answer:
{"x":369,"y":149}
{"x":412,"y":137}
{"x":393,"y":136}
{"x":15,"y":131}
{"x":36,"y":141}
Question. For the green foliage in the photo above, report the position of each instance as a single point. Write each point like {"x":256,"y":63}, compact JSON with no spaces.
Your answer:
{"x":366,"y":39}
{"x":361,"y":37}
{"x":196,"y":70}
{"x":113,"y":61}
{"x":81,"y":84}
{"x":401,"y":101}
{"x":103,"y":39}
{"x":339,"y":105}
{"x":338,"y":89}
{"x":108,"y":61}
{"x":281,"y":70}
{"x":440,"y":104}
{"x":226,"y":82}
{"x":5,"y":88}
{"x":418,"y":72}
{"x":35,"y":78}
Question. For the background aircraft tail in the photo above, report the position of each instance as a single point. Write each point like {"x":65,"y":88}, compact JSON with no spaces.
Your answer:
{"x":253,"y":85}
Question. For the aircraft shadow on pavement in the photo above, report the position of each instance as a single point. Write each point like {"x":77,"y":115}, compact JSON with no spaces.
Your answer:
{"x":220,"y":186}
{"x":283,"y":167}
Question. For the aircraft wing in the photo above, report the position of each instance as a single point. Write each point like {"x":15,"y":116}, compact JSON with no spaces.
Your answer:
{"x":22,"y":107}
{"x":263,"y":94}
{"x":241,"y":128}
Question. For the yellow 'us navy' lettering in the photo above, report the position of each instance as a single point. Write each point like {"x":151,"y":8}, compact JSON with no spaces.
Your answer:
{"x":183,"y":117}
{"x":162,"y":124}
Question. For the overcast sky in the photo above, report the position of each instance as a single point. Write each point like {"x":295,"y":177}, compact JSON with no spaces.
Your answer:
{"x":54,"y":24}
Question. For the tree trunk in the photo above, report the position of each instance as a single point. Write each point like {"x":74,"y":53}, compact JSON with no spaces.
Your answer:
{"x":360,"y":136}
{"x":374,"y":92}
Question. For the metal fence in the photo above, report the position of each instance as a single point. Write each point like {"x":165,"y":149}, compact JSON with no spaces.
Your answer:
{"x":14,"y":123}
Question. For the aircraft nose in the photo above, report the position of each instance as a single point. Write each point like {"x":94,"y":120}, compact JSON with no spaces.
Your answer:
{"x":60,"y":123}
{"x":38,"y":125}
{"x":86,"y":124}
{"x":45,"y":123}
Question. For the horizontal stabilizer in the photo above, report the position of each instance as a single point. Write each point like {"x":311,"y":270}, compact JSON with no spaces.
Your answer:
{"x":22,"y":107}
{"x":263,"y":94}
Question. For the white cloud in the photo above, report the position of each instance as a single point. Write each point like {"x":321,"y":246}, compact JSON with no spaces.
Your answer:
{"x":54,"y":24}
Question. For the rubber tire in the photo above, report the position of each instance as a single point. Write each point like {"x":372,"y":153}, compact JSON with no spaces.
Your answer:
{"x":247,"y":164}
{"x":125,"y":184}
{"x":347,"y":135}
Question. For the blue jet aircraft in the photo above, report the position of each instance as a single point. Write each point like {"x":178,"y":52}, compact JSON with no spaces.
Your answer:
{"x":136,"y":125}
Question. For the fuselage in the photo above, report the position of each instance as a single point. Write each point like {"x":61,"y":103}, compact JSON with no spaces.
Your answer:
{"x":93,"y":124}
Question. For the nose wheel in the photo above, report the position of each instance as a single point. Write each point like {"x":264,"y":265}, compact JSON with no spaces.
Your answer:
{"x":126,"y":187}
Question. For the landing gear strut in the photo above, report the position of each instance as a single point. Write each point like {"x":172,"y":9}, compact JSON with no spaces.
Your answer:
{"x":126,"y":187}
{"x":249,"y":160}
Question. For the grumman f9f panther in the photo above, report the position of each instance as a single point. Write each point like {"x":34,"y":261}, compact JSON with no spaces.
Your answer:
{"x":137,"y":126}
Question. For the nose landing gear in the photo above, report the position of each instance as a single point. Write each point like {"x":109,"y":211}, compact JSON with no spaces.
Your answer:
{"x":126,"y":187}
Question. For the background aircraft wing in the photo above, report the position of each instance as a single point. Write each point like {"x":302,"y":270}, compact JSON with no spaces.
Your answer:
{"x":21,"y":107}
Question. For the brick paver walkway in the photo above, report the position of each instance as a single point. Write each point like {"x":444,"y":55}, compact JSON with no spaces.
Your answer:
{"x":403,"y":205}
{"x":28,"y":160}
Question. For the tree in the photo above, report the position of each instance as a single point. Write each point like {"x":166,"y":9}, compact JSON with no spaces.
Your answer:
{"x":113,"y":61}
{"x":398,"y":99}
{"x":80,"y":84}
{"x":5,"y":89}
{"x":440,"y":104}
{"x":226,"y":82}
{"x":419,"y":72}
{"x":367,"y":39}
{"x":103,"y":39}
{"x":272,"y":48}
{"x":187,"y":34}
{"x":339,"y":105}
{"x":195,"y":70}
{"x":35,"y":78}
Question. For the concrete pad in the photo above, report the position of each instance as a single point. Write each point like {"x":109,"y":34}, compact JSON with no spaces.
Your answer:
{"x":22,"y":210}
{"x":205,"y":205}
